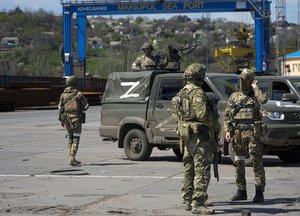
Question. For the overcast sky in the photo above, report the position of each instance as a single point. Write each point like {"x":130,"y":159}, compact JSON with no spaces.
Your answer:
{"x":55,"y":7}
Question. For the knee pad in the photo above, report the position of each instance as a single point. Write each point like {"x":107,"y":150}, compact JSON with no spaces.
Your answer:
{"x":239,"y":161}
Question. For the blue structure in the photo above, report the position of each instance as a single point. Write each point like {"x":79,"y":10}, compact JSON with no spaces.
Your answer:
{"x":293,"y":55}
{"x":81,"y":8}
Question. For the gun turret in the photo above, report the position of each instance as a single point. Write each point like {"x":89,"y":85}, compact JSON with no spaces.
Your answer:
{"x":171,"y":59}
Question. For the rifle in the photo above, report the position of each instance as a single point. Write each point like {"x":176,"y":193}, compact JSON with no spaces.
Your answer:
{"x":212,"y":102}
{"x":238,"y":106}
{"x":216,"y":154}
{"x":216,"y":161}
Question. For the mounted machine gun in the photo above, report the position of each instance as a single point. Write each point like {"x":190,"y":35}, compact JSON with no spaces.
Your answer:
{"x":171,"y":58}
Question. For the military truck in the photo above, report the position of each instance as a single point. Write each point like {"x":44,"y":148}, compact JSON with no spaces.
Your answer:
{"x":137,"y":112}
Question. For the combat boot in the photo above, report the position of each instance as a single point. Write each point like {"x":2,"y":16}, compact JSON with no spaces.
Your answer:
{"x":207,"y":203}
{"x":239,"y":195}
{"x":77,"y":162}
{"x":259,"y":196}
{"x":73,"y":161}
{"x":188,"y":205}
{"x":202,"y":210}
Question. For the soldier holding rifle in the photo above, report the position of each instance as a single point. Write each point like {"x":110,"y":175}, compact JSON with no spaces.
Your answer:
{"x":196,"y":124}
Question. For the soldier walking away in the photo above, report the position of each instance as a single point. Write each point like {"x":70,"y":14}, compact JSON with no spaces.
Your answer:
{"x":243,"y":127}
{"x":71,"y":106}
{"x":147,"y":61}
{"x":196,"y":120}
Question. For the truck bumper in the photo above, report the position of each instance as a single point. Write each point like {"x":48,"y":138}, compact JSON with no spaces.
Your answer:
{"x":282,"y":135}
{"x":109,"y":131}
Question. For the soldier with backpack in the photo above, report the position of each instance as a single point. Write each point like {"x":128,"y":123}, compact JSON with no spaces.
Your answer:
{"x":196,"y":124}
{"x":71,"y":106}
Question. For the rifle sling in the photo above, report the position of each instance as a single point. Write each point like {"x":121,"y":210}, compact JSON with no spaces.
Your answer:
{"x":239,"y":106}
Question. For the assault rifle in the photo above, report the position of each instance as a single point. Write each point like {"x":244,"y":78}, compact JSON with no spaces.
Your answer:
{"x":216,"y":170}
{"x":216,"y":160}
{"x":212,"y":102}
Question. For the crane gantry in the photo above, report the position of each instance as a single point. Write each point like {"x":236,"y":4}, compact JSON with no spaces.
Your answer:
{"x":260,"y":10}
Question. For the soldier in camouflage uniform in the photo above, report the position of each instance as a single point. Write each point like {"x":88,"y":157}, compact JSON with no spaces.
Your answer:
{"x":71,"y":115}
{"x":195,"y":122}
{"x":147,"y":61}
{"x":243,"y":127}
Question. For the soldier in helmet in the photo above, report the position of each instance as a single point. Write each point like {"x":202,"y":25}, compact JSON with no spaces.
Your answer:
{"x":71,"y":106}
{"x":195,"y":122}
{"x":147,"y":61}
{"x":243,"y":127}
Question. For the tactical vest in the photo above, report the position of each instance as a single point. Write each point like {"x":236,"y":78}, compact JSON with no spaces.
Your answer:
{"x":248,"y":111}
{"x":182,"y":105}
{"x":71,"y":102}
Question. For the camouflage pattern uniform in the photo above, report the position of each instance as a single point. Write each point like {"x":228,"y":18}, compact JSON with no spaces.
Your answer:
{"x":71,"y":106}
{"x":245,"y":128}
{"x":195,"y":120}
{"x":147,"y":61}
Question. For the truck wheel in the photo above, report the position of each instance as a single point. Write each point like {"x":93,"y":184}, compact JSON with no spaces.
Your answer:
{"x":178,"y":153}
{"x":291,"y":156}
{"x":248,"y":161}
{"x":136,"y":145}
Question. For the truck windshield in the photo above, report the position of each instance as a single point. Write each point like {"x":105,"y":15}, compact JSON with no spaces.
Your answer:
{"x":296,"y":83}
{"x":226,"y":85}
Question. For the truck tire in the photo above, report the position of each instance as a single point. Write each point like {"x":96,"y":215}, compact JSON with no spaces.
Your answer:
{"x":291,"y":156}
{"x":178,"y":153}
{"x":248,"y":161}
{"x":136,"y":146}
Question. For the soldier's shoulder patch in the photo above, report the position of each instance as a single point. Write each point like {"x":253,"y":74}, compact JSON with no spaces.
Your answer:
{"x":199,"y":99}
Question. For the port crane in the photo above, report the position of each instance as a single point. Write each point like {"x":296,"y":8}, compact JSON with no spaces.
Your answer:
{"x":80,"y":9}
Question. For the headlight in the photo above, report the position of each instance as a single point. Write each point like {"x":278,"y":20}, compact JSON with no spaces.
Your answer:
{"x":274,"y":115}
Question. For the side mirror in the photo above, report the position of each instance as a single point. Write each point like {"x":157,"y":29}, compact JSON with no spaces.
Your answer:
{"x":289,"y":97}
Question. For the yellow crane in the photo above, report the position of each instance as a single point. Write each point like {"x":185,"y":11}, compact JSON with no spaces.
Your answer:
{"x":240,"y":54}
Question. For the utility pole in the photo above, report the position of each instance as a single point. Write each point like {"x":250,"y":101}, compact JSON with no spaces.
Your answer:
{"x":208,"y":41}
{"x":298,"y":27}
{"x":280,"y":32}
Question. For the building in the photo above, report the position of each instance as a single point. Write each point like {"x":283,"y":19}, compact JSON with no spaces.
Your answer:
{"x":292,"y":64}
{"x":95,"y":43}
{"x":10,"y":42}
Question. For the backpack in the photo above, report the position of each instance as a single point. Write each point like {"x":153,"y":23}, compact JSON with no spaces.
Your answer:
{"x":181,"y":105}
{"x":71,"y":102}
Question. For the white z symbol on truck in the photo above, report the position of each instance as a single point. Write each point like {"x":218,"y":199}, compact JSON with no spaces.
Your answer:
{"x":133,"y":85}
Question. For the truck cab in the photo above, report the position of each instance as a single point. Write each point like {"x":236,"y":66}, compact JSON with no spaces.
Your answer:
{"x":137,"y":113}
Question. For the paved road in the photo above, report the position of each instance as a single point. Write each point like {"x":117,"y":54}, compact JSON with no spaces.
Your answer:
{"x":36,"y":180}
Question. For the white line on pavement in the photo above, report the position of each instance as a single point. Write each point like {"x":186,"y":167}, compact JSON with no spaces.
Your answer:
{"x":116,"y":177}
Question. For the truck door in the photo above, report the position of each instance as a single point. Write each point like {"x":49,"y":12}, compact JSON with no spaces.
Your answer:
{"x":162,"y":106}
{"x":278,"y":89}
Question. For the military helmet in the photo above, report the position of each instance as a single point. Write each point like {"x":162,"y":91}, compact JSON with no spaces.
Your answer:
{"x":247,"y":75}
{"x":147,"y":45}
{"x":71,"y":81}
{"x":246,"y":79}
{"x":195,"y":72}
